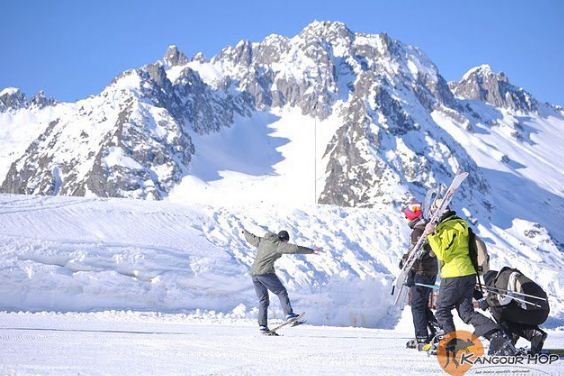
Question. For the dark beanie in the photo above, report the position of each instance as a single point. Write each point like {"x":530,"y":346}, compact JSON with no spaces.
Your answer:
{"x":283,"y":235}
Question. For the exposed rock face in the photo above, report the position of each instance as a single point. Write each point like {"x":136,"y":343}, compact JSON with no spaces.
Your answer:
{"x":481,"y":83}
{"x":174,"y":57}
{"x":13,"y":99}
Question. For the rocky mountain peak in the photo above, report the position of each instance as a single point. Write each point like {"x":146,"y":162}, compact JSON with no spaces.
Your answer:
{"x":199,"y":57}
{"x":241,"y":54}
{"x":482,"y":83}
{"x":40,"y":100}
{"x":173,"y":57}
{"x":12,"y":98}
{"x":327,"y":29}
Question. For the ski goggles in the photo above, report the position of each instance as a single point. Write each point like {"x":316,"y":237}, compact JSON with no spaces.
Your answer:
{"x":414,"y":207}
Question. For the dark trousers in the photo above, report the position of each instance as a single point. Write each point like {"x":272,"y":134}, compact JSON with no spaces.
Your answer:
{"x":422,"y":315}
{"x":457,"y":293}
{"x":263,"y":284}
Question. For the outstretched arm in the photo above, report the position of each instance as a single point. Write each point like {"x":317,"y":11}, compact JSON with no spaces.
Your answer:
{"x":288,"y":248}
{"x":251,"y":238}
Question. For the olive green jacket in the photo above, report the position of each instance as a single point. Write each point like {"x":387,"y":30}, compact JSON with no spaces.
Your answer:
{"x":449,"y":243}
{"x":270,"y":249}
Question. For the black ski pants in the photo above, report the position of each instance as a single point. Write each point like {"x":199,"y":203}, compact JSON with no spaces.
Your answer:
{"x":422,"y":315}
{"x":457,"y":293}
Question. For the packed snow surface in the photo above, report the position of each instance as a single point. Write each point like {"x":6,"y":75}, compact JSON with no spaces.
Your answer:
{"x":129,"y":343}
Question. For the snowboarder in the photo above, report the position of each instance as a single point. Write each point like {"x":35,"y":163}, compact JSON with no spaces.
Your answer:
{"x":517,"y":303}
{"x":269,"y":249}
{"x":449,"y":242}
{"x":424,"y":272}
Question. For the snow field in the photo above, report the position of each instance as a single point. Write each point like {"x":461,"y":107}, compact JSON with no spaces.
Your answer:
{"x":118,"y":343}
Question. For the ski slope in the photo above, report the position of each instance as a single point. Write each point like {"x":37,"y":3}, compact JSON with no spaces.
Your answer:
{"x":118,"y":343}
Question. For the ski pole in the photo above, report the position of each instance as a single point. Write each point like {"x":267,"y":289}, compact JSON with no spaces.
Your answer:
{"x":514,"y":298}
{"x":428,"y":286}
{"x":513,"y":292}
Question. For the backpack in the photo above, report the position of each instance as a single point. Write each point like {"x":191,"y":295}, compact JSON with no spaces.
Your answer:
{"x":527,"y":310}
{"x":478,"y":253}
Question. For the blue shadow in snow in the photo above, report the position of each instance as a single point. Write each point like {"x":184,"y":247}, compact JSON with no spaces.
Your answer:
{"x":246,"y":147}
{"x":542,"y":207}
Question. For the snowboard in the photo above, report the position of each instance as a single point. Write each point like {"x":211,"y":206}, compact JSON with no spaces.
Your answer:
{"x":293,"y":322}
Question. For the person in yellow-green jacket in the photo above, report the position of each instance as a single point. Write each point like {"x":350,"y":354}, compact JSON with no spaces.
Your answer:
{"x":449,"y":243}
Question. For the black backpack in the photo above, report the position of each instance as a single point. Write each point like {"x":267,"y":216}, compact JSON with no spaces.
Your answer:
{"x":525,"y":310}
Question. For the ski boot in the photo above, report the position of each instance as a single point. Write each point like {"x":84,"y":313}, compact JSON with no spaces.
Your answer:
{"x":293,"y":318}
{"x":433,"y":344}
{"x":537,"y":341}
{"x":411,"y":344}
{"x":266,"y":332}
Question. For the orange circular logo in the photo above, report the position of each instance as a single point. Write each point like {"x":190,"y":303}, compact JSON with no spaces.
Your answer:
{"x":457,"y":352}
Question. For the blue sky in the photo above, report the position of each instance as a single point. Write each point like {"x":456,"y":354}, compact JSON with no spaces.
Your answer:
{"x":73,"y":49}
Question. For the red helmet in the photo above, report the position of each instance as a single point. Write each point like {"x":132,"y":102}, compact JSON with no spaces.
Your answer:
{"x":413,"y":211}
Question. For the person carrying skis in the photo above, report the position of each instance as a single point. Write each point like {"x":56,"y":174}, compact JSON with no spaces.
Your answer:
{"x":449,"y":242}
{"x":518,"y":304}
{"x":424,"y":272}
{"x":269,"y":249}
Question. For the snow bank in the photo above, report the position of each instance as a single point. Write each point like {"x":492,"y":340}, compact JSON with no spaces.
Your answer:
{"x":77,"y":254}
{"x":86,"y":254}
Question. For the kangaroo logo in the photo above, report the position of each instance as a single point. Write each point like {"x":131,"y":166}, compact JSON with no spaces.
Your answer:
{"x":453,"y":347}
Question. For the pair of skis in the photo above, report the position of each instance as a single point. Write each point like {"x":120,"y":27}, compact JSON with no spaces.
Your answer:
{"x":417,"y":250}
{"x":518,"y":296}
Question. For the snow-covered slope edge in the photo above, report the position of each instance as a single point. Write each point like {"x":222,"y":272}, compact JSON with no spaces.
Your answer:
{"x":91,"y":254}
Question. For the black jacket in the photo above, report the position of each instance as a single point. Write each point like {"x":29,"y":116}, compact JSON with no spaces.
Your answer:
{"x":427,"y":264}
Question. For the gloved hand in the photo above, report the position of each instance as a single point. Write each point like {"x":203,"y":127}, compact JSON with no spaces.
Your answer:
{"x":477,"y":294}
{"x":403,"y":260}
{"x":483,"y":304}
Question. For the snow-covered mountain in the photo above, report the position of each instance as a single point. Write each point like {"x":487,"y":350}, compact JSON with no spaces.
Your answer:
{"x":329,"y":116}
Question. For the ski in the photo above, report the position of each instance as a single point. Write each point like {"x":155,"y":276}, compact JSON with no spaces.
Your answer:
{"x":509,"y":293}
{"x":499,"y":291}
{"x":502,"y":294}
{"x":417,"y":250}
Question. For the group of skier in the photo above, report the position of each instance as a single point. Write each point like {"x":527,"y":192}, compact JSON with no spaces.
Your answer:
{"x":517,"y":307}
{"x":517,"y":304}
